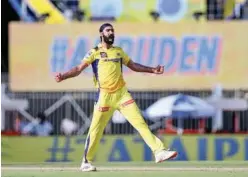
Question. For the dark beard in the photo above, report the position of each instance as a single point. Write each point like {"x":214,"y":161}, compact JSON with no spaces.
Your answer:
{"x":109,"y":40}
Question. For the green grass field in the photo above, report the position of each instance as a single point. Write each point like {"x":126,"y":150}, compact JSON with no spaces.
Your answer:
{"x":142,"y":169}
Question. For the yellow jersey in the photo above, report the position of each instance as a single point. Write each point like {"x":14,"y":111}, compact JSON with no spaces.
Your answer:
{"x":107,"y":67}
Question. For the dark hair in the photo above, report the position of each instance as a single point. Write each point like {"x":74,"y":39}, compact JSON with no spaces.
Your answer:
{"x":104,"y":26}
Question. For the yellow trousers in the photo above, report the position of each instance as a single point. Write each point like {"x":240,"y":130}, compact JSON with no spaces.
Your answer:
{"x":107,"y":103}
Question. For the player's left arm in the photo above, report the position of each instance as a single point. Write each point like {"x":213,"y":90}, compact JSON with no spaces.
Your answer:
{"x":139,"y":67}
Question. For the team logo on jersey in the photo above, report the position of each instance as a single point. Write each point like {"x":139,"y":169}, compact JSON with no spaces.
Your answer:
{"x":103,"y":54}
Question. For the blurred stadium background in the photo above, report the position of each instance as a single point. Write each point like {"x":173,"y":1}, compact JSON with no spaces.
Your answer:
{"x":202,"y":43}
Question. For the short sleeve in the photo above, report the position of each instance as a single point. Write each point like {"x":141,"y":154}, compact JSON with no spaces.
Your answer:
{"x":125,"y":58}
{"x":89,"y":57}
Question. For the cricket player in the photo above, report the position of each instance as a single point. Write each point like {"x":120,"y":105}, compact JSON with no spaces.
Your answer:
{"x":106,"y":61}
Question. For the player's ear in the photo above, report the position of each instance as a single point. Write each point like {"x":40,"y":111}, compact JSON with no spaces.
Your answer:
{"x":101,"y":36}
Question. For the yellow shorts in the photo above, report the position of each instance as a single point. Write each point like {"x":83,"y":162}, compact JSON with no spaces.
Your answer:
{"x":109,"y":102}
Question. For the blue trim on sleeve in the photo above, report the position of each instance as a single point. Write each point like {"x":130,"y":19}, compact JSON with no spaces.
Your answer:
{"x":95,"y":69}
{"x":121,"y":64}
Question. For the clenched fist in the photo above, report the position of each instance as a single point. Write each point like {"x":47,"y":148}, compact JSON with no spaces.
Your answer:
{"x":158,"y":70}
{"x":58,"y":77}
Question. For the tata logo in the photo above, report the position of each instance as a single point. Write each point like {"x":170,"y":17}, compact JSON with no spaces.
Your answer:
{"x":124,"y":149}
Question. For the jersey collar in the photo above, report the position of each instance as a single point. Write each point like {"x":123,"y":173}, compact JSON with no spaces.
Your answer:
{"x":100,"y":46}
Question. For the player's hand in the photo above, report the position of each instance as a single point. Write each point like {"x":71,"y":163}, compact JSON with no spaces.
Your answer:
{"x":58,"y":77}
{"x":158,"y":70}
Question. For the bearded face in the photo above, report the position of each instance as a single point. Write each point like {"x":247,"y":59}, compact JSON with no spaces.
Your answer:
{"x":108,"y":35}
{"x":109,"y":39}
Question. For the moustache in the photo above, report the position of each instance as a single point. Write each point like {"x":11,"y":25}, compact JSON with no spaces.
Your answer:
{"x":111,"y":36}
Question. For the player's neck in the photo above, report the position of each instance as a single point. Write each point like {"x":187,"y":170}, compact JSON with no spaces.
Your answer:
{"x":105,"y":45}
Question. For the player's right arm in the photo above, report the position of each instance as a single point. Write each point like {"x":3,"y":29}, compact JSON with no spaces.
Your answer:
{"x":87,"y":60}
{"x":71,"y":73}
